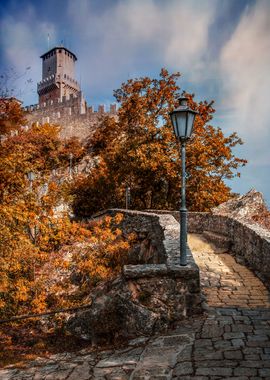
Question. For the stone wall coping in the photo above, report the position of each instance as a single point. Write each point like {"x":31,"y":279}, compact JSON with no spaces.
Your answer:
{"x":159,"y":270}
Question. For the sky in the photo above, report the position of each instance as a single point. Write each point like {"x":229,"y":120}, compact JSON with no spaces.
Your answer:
{"x":220,"y":47}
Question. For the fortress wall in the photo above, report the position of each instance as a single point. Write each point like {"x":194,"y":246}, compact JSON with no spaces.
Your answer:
{"x":72,"y":124}
{"x":72,"y":114}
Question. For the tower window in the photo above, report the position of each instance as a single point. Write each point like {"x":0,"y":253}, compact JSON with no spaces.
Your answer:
{"x":60,"y":50}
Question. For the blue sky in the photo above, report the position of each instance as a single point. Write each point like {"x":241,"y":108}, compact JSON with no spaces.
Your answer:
{"x":221,"y":48}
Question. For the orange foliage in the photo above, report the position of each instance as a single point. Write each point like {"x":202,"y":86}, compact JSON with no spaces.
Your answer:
{"x":104,"y":255}
{"x":12,"y":115}
{"x":139,"y":150}
{"x":32,"y":235}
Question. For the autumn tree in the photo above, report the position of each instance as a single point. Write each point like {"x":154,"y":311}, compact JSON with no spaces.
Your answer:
{"x":138,"y":149}
{"x":32,"y":234}
{"x":12,"y":116}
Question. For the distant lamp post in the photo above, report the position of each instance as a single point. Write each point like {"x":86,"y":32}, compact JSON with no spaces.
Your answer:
{"x":31,"y":177}
{"x":182,"y":119}
{"x":127,"y":198}
{"x":70,"y":165}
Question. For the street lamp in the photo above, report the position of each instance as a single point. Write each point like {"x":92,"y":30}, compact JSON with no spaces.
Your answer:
{"x":70,"y":165}
{"x":127,"y":197}
{"x":182,"y":119}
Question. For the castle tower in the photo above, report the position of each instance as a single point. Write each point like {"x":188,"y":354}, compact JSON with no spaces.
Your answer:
{"x":58,"y":75}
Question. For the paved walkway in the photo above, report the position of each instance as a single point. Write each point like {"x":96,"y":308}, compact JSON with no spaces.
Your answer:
{"x":224,"y":282}
{"x":232,"y":341}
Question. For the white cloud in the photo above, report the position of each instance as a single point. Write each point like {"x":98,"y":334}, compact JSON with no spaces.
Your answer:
{"x":125,"y":38}
{"x":244,"y":73}
{"x":172,"y":33}
{"x":244,"y":64}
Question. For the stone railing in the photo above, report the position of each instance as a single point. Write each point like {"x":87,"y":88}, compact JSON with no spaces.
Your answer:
{"x":248,"y":242}
{"x":153,"y":290}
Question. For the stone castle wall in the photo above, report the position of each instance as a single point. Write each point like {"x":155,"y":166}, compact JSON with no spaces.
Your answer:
{"x":72,"y":114}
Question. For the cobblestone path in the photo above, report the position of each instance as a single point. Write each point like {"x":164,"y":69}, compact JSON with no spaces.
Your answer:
{"x":224,"y":281}
{"x":231,"y":341}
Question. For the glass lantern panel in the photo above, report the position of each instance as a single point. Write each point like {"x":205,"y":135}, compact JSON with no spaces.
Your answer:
{"x":174,"y":123}
{"x":181,"y":124}
{"x":190,"y":122}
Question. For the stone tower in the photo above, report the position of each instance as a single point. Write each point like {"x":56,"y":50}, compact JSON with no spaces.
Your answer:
{"x":58,"y":75}
{"x":61,"y":101}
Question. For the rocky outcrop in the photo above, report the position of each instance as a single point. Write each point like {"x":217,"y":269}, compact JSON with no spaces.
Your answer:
{"x":244,"y":207}
{"x":113,"y":314}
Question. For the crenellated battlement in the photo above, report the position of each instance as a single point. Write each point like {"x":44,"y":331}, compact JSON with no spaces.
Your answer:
{"x":51,"y":105}
{"x":72,"y":113}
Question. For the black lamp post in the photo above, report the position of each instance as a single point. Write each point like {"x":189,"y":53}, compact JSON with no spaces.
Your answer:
{"x":70,"y":165}
{"x":183,"y":120}
{"x":127,"y":197}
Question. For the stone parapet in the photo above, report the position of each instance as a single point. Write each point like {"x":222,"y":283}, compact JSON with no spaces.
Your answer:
{"x":250,"y":243}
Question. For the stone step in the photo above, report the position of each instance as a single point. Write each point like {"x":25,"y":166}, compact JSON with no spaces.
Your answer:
{"x":222,"y":242}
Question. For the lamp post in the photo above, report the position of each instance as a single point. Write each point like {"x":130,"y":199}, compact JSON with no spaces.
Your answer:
{"x":31,"y":176}
{"x":70,"y":165}
{"x":182,"y":119}
{"x":127,"y":197}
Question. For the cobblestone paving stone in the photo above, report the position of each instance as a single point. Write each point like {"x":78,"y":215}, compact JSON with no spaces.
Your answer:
{"x":230,"y":341}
